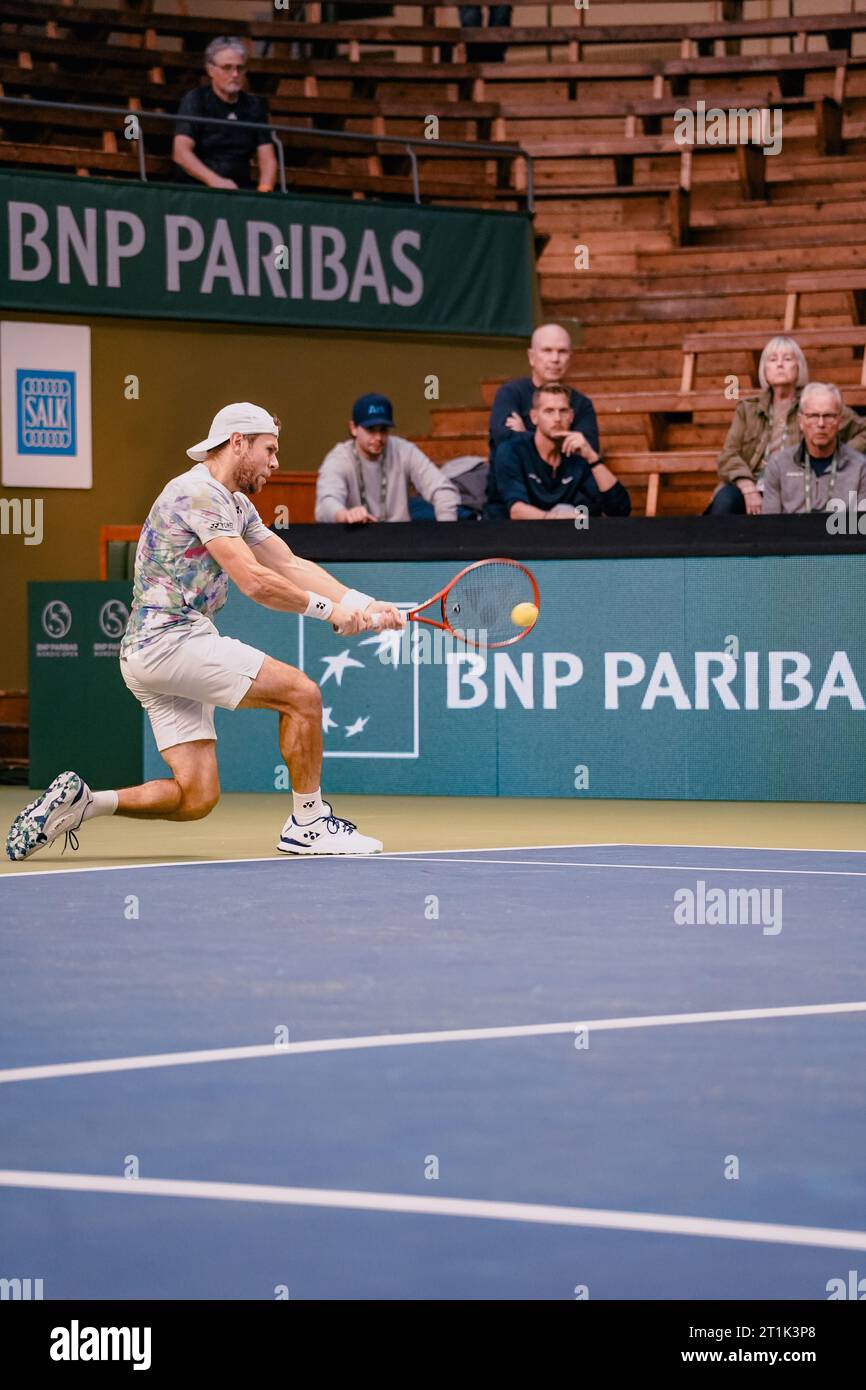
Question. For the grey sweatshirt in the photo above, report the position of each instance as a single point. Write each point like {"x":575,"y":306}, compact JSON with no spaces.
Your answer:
{"x":785,"y":481}
{"x":337,"y":485}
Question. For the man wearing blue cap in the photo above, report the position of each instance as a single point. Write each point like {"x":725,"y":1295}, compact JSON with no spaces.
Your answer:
{"x":366,"y":478}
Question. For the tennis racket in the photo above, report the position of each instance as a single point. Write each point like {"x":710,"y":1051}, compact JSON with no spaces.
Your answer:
{"x":477,"y":604}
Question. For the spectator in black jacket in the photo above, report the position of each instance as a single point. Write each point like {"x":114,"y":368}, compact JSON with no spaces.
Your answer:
{"x":548,"y":474}
{"x":549,"y":358}
{"x":216,"y":155}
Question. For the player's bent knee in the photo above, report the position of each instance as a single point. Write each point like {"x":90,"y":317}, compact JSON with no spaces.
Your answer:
{"x":195,"y":805}
{"x":304,"y":697}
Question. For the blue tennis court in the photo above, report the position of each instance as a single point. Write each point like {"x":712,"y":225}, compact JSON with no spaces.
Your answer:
{"x":605,"y":1071}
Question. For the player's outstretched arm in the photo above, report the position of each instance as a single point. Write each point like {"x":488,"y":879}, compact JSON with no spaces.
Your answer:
{"x":276,"y":556}
{"x":263,"y":585}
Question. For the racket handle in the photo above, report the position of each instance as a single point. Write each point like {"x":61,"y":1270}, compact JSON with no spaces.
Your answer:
{"x":377,"y":618}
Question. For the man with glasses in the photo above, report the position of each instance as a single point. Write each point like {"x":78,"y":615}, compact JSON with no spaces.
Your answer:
{"x":219,"y":155}
{"x":766,"y":425}
{"x":822,"y":472}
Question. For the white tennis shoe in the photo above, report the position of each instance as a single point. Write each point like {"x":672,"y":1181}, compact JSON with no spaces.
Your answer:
{"x":329,"y":834}
{"x":58,"y":811}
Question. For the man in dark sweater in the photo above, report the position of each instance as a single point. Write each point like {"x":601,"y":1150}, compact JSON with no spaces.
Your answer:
{"x":219,"y":155}
{"x":549,"y":359}
{"x":548,"y":474}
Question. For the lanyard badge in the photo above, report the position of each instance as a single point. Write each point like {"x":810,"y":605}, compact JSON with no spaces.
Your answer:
{"x":383,"y":480}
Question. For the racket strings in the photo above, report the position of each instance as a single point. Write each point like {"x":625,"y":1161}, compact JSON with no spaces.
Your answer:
{"x":480,"y":603}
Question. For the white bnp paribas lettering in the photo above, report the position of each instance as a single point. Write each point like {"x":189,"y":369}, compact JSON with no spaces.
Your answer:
{"x":99,"y":245}
{"x":467,"y":679}
{"x":779,"y":681}
{"x":322,"y":264}
{"x":82,"y":239}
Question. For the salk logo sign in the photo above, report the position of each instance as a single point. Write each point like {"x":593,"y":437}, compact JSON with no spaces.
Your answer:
{"x":45,"y":392}
{"x":46,"y":412}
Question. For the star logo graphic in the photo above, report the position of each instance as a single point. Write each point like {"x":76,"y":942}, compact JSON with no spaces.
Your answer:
{"x":384,"y":676}
{"x":337,"y":666}
{"x":388,"y":646}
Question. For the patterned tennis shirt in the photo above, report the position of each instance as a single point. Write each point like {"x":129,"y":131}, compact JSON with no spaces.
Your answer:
{"x":177,"y":580}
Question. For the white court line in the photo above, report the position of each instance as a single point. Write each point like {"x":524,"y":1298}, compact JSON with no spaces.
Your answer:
{"x":309,"y":858}
{"x":416,"y":854}
{"x":527,"y":1030}
{"x":534,"y":1212}
{"x":680,"y":868}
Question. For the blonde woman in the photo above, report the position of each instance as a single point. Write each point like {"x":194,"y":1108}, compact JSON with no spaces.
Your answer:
{"x":765,"y":425}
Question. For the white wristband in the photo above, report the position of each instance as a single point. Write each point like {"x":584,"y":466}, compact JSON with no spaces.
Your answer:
{"x":318,"y":607}
{"x":355,"y":601}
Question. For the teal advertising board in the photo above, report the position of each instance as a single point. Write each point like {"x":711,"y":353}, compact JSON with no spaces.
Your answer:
{"x":720,"y":679}
{"x":81,"y":714}
{"x":155,"y":251}
{"x":716,"y":679}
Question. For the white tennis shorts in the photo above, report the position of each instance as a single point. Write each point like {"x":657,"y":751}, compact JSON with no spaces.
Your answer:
{"x":180,"y":679}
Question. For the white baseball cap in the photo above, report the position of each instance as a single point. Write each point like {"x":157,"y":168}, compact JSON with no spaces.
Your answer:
{"x":241,"y":417}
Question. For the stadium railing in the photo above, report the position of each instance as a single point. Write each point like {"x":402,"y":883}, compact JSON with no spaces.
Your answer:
{"x":463,"y":149}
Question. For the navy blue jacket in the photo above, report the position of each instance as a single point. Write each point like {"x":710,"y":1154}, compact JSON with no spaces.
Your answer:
{"x":517,"y":396}
{"x":519,"y":474}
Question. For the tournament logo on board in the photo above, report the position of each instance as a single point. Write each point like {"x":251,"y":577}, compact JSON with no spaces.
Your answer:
{"x":56,"y":619}
{"x":370,"y":698}
{"x":113,"y":617}
{"x":56,"y":622}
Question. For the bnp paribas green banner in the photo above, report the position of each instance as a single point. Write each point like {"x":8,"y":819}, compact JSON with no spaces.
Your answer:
{"x":98,"y":246}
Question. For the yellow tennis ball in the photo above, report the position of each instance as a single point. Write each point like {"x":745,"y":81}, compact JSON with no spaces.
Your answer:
{"x":524,"y":614}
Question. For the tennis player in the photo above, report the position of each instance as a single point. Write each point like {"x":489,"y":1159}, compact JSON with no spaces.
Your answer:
{"x":202,"y":531}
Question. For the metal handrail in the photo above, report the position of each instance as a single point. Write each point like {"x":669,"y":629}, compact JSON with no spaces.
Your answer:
{"x":406,"y":142}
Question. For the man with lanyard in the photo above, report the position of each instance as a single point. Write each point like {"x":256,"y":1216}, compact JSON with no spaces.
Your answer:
{"x":822,"y":469}
{"x":367,"y":477}
{"x":201,"y":531}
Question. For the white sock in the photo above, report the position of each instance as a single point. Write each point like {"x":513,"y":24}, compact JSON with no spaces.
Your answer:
{"x":103,"y":804}
{"x":308,"y":806}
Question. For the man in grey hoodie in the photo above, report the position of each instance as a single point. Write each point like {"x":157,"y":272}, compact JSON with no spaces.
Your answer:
{"x":822,"y":471}
{"x":366,"y":478}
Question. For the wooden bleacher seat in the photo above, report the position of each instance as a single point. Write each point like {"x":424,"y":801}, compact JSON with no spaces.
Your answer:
{"x":836,"y":29}
{"x":754,"y":343}
{"x":84,"y":160}
{"x":622,"y":153}
{"x":44,"y":80}
{"x":645,"y":117}
{"x":851,"y":282}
